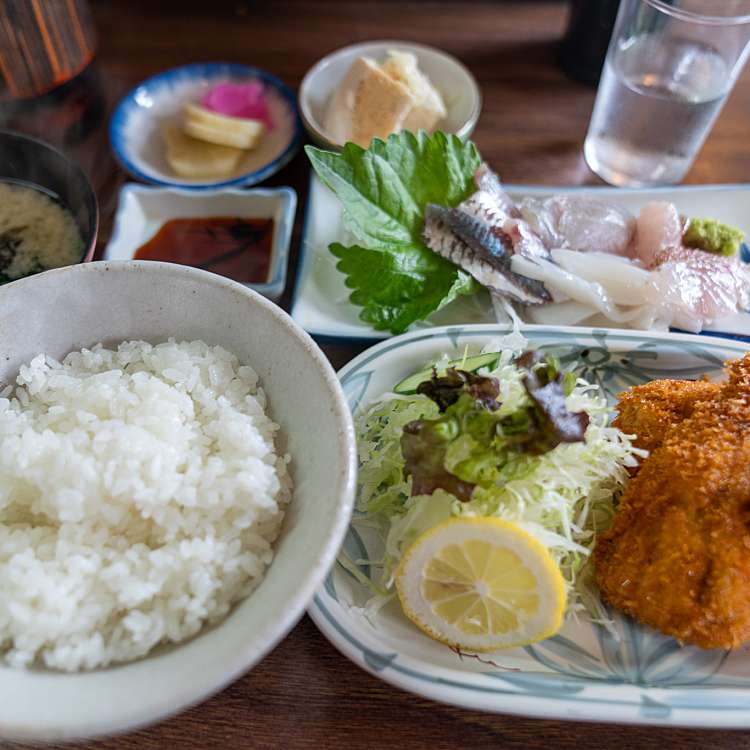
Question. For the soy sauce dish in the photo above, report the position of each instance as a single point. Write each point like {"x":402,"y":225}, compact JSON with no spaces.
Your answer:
{"x":243,"y":235}
{"x":168,"y":513}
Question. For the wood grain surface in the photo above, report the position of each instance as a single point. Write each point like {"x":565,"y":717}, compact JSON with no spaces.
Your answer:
{"x":305,"y":694}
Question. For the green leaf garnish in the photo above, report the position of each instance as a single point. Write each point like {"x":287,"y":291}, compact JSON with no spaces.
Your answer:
{"x":396,"y":288}
{"x":384,"y":189}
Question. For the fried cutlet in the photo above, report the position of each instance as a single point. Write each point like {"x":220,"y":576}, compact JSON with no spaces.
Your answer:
{"x":677,"y":556}
{"x":650,"y":410}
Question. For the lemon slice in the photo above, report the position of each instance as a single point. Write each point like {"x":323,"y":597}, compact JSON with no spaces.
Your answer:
{"x":481,"y":584}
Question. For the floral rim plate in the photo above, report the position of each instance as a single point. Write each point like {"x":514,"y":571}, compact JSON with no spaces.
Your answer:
{"x":321,"y":300}
{"x":584,"y":673}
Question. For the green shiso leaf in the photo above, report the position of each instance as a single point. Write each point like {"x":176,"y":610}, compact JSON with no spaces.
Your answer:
{"x":384,"y":190}
{"x":396,"y":287}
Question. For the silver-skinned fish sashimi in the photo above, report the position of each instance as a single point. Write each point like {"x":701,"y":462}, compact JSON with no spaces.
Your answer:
{"x":473,"y":245}
{"x":481,"y":235}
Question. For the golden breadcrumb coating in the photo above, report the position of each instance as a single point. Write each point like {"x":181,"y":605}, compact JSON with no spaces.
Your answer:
{"x":677,"y":556}
{"x":650,"y":410}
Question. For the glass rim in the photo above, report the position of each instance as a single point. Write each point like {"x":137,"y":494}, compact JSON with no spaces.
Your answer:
{"x":689,"y":15}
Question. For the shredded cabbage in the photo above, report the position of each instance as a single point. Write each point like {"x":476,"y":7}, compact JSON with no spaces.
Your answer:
{"x":563,"y":497}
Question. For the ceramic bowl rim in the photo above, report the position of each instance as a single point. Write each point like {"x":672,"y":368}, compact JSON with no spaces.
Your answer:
{"x":90,"y":246}
{"x":316,"y":130}
{"x":309,"y":581}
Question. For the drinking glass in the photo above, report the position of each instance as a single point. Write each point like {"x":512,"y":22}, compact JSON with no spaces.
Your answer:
{"x":669,"y":69}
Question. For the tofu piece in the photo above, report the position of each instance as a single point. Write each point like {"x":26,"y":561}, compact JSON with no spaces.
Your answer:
{"x":195,"y":159}
{"x":238,"y":132}
{"x":367,"y":104}
{"x":429,"y":107}
{"x":376,"y":100}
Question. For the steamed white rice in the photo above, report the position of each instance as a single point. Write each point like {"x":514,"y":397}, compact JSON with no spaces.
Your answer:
{"x":140,"y":494}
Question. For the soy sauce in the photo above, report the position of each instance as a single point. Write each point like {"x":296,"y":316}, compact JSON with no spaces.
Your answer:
{"x":237,"y":248}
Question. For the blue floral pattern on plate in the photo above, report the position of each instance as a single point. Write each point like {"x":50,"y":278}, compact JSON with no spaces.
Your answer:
{"x":585,"y":672}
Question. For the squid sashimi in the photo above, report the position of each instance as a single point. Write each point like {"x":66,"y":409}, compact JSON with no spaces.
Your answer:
{"x":572,"y":313}
{"x":626,"y":283}
{"x":570,"y":286}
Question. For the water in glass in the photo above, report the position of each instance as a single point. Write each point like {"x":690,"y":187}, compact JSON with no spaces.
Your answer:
{"x":658,"y":98}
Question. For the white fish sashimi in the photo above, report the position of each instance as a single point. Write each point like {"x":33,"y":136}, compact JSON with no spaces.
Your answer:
{"x":658,"y":228}
{"x":691,"y":286}
{"x":698,"y":287}
{"x":625,"y":282}
{"x":584,"y":224}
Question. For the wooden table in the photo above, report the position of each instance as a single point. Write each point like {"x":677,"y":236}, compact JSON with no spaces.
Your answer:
{"x":305,"y":694}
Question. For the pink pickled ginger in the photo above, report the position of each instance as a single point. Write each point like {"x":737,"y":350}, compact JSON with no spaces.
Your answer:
{"x":246,"y":100}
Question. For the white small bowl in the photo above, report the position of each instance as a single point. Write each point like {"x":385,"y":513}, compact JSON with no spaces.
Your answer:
{"x":135,"y":128}
{"x":456,"y":84}
{"x":142,"y":211}
{"x":69,"y":308}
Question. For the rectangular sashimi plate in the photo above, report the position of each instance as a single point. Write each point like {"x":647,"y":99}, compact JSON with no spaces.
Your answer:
{"x":321,"y":300}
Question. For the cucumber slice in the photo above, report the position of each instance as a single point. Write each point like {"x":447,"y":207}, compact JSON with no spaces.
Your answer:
{"x":470,"y":364}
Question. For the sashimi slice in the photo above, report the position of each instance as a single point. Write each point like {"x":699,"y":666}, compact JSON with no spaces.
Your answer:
{"x":491,"y":204}
{"x":488,"y":182}
{"x":472,"y":245}
{"x":584,"y":224}
{"x":573,"y":313}
{"x":569,"y":313}
{"x":658,"y":228}
{"x":699,"y":287}
{"x":625,"y":283}
{"x":565,"y":285}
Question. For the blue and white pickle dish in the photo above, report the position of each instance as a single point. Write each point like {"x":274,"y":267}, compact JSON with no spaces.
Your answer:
{"x":138,"y":123}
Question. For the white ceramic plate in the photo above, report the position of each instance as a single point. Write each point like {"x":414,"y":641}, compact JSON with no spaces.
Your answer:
{"x":142,"y":211}
{"x":583,"y":673}
{"x":321,"y":300}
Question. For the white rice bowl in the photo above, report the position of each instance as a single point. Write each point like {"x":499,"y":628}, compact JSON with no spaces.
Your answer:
{"x":140,"y":495}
